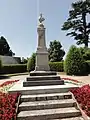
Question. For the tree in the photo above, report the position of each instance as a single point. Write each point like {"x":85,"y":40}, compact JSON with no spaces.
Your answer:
{"x":77,"y":22}
{"x":4,"y":47}
{"x":55,"y":52}
{"x":31,"y":62}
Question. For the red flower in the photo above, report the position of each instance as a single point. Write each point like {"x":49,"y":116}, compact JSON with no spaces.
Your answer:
{"x":70,"y":79}
{"x":8,"y":105}
{"x":8,"y":82}
{"x":82,"y":96}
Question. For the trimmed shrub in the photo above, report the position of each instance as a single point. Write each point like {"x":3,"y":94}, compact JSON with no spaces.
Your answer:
{"x":88,"y":66}
{"x":56,"y":66}
{"x":74,"y":63}
{"x":16,"y":68}
{"x":85,"y":52}
{"x":31,"y":63}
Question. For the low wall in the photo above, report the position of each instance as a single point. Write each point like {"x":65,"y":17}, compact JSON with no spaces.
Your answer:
{"x":9,"y":60}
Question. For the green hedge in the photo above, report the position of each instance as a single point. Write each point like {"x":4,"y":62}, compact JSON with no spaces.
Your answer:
{"x":88,"y":66}
{"x":56,"y":66}
{"x":0,"y":64}
{"x":20,"y":68}
{"x":15,"y":68}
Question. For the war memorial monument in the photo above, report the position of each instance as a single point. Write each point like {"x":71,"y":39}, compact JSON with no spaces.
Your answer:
{"x":44,"y":95}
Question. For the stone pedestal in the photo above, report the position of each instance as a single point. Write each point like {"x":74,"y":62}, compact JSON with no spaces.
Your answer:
{"x":41,"y":53}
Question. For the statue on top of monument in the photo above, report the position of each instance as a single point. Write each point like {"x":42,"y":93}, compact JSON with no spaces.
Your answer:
{"x":41,"y":19}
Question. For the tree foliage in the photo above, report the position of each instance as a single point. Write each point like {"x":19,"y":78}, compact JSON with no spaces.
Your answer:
{"x":77,"y":22}
{"x":55,"y":52}
{"x":85,"y":52}
{"x":5,"y":48}
{"x":74,"y":63}
{"x":31,"y":62}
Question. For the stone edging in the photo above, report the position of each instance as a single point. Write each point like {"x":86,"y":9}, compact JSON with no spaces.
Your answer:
{"x":17,"y":104}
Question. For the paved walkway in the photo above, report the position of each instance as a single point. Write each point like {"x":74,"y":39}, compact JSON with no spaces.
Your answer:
{"x":84,"y":79}
{"x":21,"y":77}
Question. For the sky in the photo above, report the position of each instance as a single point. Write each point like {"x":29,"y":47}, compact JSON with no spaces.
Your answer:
{"x":19,"y":19}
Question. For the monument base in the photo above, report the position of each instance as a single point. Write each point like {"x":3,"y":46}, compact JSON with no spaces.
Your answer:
{"x":42,"y":68}
{"x":42,"y":73}
{"x":42,"y":61}
{"x":43,"y":78}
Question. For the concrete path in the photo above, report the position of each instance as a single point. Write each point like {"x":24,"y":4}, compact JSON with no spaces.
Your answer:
{"x":21,"y":77}
{"x":84,"y":79}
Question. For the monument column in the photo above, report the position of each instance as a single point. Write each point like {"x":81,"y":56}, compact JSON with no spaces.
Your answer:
{"x":41,"y":53}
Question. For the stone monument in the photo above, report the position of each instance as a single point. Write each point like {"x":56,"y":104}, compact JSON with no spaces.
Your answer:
{"x":41,"y":53}
{"x":42,"y":75}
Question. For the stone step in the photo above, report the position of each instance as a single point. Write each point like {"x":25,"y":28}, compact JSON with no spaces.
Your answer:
{"x":42,"y":73}
{"x":72,"y":118}
{"x":40,"y":78}
{"x":41,"y":89}
{"x":40,"y":97}
{"x":43,"y":83}
{"x":48,"y":114}
{"x":49,"y":104}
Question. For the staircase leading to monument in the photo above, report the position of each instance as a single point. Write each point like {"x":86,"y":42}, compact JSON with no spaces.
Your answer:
{"x":49,"y":106}
{"x":48,"y":102}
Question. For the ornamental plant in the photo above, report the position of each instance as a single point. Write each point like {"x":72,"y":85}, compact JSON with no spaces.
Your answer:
{"x":74,"y":63}
{"x":8,"y":106}
{"x":82,"y":96}
{"x":4,"y":87}
{"x":8,"y":82}
{"x":72,"y":81}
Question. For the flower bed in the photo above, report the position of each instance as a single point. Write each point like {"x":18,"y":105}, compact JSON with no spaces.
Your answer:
{"x":8,"y":102}
{"x":4,"y":87}
{"x":8,"y":82}
{"x":82,"y":95}
{"x":8,"y":106}
{"x":72,"y":81}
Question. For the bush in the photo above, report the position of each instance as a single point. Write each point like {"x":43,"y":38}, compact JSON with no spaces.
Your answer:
{"x":56,"y":66}
{"x":31,"y":63}
{"x":85,"y":52}
{"x":88,"y":66}
{"x":74,"y":63}
{"x":16,"y":68}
